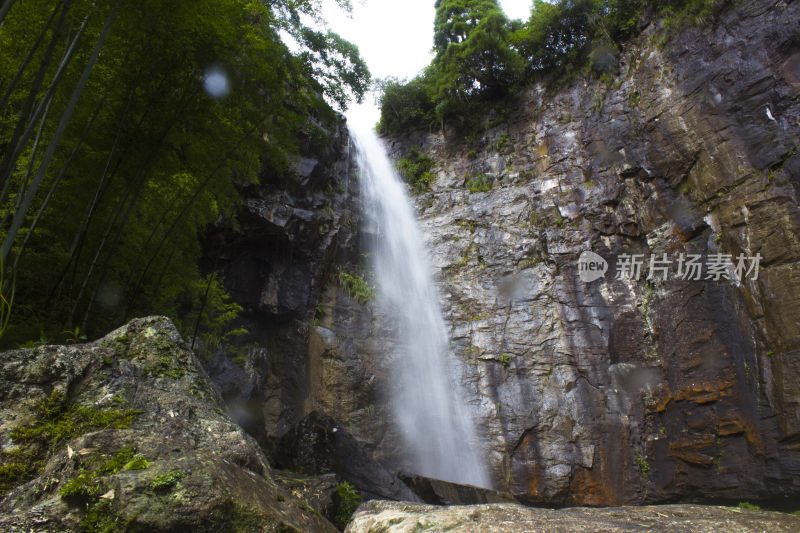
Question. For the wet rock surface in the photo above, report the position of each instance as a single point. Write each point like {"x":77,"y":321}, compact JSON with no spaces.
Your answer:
{"x":621,"y":391}
{"x":391,"y":517}
{"x":321,"y":445}
{"x":277,"y":259}
{"x":438,"y":492}
{"x":127,"y":433}
{"x":599,"y":393}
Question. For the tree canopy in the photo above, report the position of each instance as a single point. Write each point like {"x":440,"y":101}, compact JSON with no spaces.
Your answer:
{"x":116,"y":151}
{"x":473,"y":56}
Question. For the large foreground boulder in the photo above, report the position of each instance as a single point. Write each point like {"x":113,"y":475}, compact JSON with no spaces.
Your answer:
{"x":126,"y":433}
{"x":393,"y":517}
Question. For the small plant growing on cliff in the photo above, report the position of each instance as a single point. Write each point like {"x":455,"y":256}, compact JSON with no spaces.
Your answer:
{"x":417,"y":170}
{"x":479,"y":183}
{"x":505,"y":359}
{"x":749,"y":506}
{"x":7,"y":288}
{"x":356,"y":287}
{"x":346,"y":501}
{"x":644,"y":466}
{"x":74,"y":335}
{"x":502,"y":142}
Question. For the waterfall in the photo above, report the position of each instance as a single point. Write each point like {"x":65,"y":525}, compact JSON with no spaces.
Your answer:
{"x":426,"y":395}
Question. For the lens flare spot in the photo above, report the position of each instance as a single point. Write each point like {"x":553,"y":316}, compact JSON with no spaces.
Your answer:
{"x":215,"y":82}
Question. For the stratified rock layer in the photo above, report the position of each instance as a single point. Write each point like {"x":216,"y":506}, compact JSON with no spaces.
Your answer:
{"x":621,"y":391}
{"x":131,"y":436}
{"x":391,"y":517}
{"x":595,"y":393}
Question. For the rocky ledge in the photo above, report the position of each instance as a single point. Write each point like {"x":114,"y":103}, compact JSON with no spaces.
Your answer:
{"x":127,"y":434}
{"x":393,"y":517}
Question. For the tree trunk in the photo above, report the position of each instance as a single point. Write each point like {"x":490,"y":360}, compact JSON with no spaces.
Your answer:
{"x":21,"y":70}
{"x":56,"y":181}
{"x":19,"y":216}
{"x":4,"y":7}
{"x":21,"y":132}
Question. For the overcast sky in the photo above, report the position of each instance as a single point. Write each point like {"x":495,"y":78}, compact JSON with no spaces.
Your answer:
{"x":395,"y":36}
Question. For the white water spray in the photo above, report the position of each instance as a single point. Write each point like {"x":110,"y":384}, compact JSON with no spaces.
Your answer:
{"x":426,"y":395}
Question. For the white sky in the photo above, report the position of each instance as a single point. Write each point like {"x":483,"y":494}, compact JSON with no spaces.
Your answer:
{"x":395,"y":37}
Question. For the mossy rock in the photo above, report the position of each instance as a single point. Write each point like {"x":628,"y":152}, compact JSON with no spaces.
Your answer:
{"x":127,"y":434}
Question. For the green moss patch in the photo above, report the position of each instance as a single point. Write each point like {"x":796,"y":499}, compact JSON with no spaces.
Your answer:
{"x":57,"y":421}
{"x":88,"y":483}
{"x":167,"y":480}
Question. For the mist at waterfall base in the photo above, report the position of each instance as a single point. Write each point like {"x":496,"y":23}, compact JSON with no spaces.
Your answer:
{"x":427,"y":399}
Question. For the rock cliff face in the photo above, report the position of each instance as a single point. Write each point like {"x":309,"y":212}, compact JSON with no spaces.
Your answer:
{"x":622,"y":391}
{"x":609,"y":392}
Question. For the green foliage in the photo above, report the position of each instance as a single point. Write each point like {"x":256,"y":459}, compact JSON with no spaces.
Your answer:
{"x":7,"y":289}
{"x":347,"y":500}
{"x":165,"y":481}
{"x":479,"y":183}
{"x":502,"y":142}
{"x":644,"y":466}
{"x":137,"y":463}
{"x":86,"y":487}
{"x":88,"y":483}
{"x":356,"y":287}
{"x":112,"y":168}
{"x":82,"y":487}
{"x":473,"y":56}
{"x":416,"y":168}
{"x":405,"y":105}
{"x":480,"y":56}
{"x":505,"y":359}
{"x":56,"y":422}
{"x":74,"y":335}
{"x":749,"y":506}
{"x":678,"y":14}
{"x":555,"y":35}
{"x":100,"y":518}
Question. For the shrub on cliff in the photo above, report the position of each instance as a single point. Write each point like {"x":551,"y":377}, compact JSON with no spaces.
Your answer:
{"x":416,"y":169}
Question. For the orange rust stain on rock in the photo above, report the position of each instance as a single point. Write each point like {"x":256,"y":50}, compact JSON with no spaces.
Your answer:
{"x":733,"y":424}
{"x":589,"y":488}
{"x":693,"y":450}
{"x":730,"y":425}
{"x":700,"y":393}
{"x":534,"y":481}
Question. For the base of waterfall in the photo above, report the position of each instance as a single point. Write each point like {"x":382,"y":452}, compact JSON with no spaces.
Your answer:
{"x":398,"y":517}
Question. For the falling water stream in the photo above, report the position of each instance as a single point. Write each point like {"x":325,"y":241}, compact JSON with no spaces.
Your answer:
{"x":426,"y":395}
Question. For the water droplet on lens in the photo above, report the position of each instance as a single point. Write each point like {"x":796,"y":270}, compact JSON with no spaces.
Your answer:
{"x":215,"y":82}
